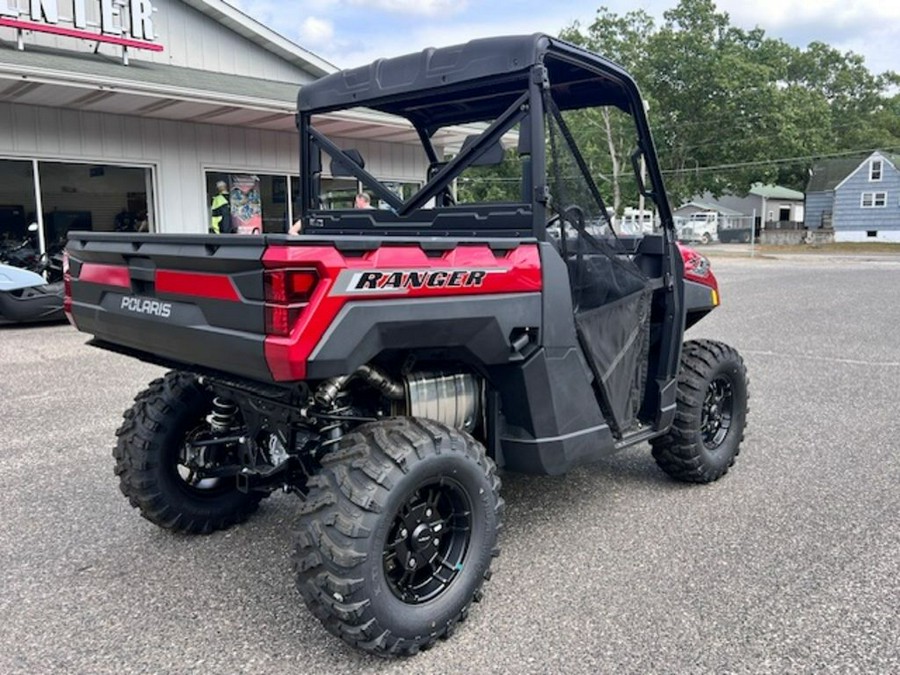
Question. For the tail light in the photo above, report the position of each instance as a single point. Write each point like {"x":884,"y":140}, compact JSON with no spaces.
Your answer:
{"x":698,"y":269}
{"x":287,"y":293}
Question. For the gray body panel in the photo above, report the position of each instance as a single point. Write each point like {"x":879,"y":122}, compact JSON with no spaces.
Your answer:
{"x":481,"y":325}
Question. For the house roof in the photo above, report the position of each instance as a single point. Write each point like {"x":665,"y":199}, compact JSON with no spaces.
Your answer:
{"x":829,"y":173}
{"x":711,"y":206}
{"x":775,"y":192}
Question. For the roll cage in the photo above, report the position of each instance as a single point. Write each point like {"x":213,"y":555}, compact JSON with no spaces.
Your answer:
{"x":503,"y":83}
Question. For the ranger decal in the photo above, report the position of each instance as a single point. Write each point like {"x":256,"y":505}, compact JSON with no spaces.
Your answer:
{"x":352,"y":282}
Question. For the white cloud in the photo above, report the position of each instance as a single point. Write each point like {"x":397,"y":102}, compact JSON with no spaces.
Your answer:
{"x":450,"y":33}
{"x":315,"y":31}
{"x":868,"y":27}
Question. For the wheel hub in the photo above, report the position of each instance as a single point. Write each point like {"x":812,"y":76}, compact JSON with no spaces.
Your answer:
{"x":717,"y":412}
{"x":422,"y":538}
{"x":427,"y":542}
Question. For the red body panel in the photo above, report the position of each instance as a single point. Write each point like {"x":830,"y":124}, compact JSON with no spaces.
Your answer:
{"x":465,"y":270}
{"x":106,"y":275}
{"x":170,"y":282}
{"x":216,"y":286}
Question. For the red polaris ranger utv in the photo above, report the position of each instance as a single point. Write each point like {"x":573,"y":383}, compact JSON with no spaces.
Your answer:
{"x":386,"y":362}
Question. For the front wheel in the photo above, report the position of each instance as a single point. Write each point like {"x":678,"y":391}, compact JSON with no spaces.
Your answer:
{"x":154,"y":470}
{"x":710,"y":416}
{"x":397,"y":534}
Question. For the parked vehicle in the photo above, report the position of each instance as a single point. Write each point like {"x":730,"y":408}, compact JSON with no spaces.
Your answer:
{"x":26,"y":296}
{"x":738,"y":232}
{"x":634,"y":222}
{"x":702,"y":228}
{"x":386,"y":363}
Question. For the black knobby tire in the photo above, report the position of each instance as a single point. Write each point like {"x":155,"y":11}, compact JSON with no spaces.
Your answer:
{"x":711,"y":414}
{"x":147,"y":454}
{"x":350,"y":537}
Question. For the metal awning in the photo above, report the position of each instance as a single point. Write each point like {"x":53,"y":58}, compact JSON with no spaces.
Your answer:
{"x":98,"y":83}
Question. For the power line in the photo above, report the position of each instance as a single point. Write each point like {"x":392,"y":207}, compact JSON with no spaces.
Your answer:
{"x":786,"y":160}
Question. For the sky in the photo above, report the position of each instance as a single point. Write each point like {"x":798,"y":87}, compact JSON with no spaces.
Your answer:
{"x":354,"y":32}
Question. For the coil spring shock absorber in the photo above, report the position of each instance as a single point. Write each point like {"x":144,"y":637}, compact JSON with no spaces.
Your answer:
{"x":222,"y":417}
{"x":333,"y":430}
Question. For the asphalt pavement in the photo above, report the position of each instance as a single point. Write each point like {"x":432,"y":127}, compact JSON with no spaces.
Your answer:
{"x":787,"y":564}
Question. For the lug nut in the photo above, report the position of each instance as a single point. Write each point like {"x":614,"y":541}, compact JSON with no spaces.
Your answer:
{"x":412,"y":562}
{"x":436,"y":541}
{"x":403,"y":533}
{"x":428,"y":513}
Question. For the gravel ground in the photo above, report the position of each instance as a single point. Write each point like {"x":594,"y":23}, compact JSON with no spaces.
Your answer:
{"x":789,"y":563}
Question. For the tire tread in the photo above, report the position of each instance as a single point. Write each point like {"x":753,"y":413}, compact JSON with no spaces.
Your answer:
{"x":677,"y":452}
{"x":336,"y":520}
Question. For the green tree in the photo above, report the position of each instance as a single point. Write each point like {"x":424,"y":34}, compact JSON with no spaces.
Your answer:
{"x":721,"y":96}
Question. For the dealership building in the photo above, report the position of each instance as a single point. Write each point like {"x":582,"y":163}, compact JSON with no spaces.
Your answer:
{"x":125,"y":114}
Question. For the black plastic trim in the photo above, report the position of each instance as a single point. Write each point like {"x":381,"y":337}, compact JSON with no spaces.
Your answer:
{"x":479,"y":324}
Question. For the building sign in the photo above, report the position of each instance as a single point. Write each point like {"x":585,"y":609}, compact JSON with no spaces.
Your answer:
{"x":127,"y":23}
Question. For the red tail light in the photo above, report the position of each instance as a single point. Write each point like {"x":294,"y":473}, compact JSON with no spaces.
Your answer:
{"x":287,"y":293}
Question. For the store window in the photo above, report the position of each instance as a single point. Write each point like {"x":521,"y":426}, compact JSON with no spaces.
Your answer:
{"x":338,"y":193}
{"x":98,"y":197}
{"x":72,"y":197}
{"x":18,"y":209}
{"x":258,"y":202}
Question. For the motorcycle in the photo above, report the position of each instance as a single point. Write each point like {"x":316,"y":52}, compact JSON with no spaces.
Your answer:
{"x":25,"y":295}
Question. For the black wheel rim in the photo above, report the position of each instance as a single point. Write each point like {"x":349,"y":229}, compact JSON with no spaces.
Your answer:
{"x":718,"y":411}
{"x":427,"y":542}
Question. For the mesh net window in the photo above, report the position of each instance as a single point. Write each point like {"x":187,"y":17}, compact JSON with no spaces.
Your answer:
{"x":610,"y":294}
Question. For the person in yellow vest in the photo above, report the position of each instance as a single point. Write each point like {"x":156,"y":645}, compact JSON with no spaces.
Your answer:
{"x":220,"y":209}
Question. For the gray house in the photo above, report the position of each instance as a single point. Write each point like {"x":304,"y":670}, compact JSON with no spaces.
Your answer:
{"x":772,"y":204}
{"x":858,"y":196}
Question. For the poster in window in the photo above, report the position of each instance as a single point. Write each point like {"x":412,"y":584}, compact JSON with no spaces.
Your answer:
{"x":246,"y":205}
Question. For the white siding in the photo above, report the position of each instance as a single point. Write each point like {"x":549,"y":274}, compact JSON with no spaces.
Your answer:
{"x":178,"y":152}
{"x":189,"y":39}
{"x":856,"y":236}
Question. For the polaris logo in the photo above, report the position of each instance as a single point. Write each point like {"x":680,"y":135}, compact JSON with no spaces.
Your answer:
{"x":147,"y":306}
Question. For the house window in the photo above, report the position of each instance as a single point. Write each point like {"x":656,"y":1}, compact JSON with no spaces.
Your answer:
{"x":875,"y":167}
{"x":873,"y":200}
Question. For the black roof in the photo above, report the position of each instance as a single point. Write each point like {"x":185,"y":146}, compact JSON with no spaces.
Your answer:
{"x":469,"y":82}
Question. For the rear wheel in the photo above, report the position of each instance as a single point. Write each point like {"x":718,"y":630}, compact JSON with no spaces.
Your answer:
{"x":154,"y":466}
{"x":705,"y":238}
{"x":710,"y":417}
{"x":397,"y":534}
